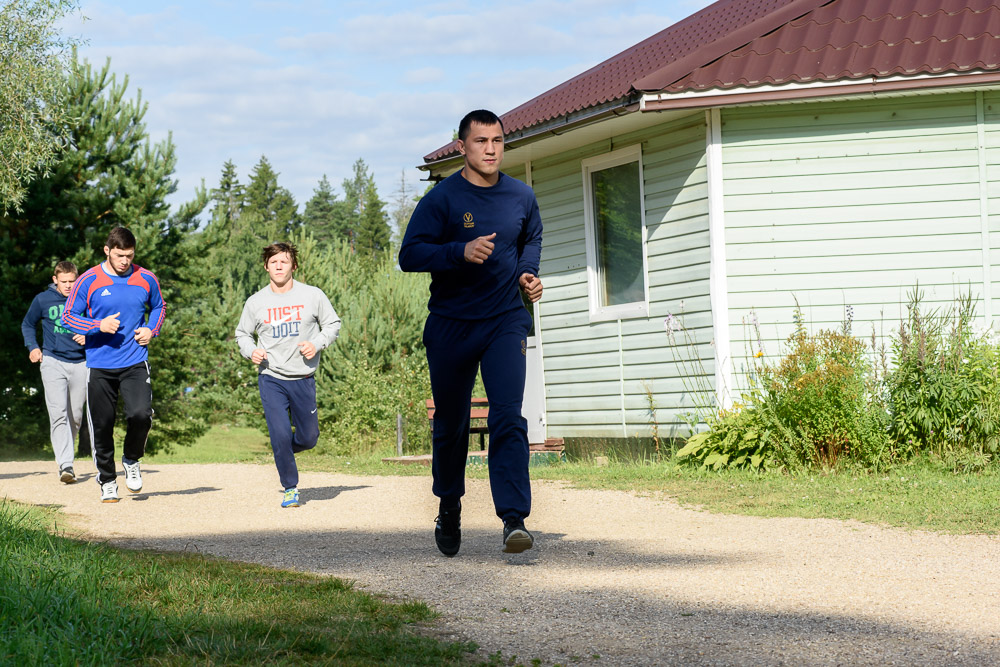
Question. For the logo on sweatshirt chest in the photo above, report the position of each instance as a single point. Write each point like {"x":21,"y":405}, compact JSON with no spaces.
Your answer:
{"x":284,"y":320}
{"x":468,"y":221}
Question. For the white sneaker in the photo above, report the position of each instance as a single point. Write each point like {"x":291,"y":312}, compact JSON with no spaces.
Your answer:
{"x":133,"y":479}
{"x":109,"y":492}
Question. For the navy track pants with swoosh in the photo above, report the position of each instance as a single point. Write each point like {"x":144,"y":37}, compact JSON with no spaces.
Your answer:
{"x":297,"y":399}
{"x":455,"y":351}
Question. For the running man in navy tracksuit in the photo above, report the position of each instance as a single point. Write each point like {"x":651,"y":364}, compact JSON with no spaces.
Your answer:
{"x":109,"y":304}
{"x":479,"y":233}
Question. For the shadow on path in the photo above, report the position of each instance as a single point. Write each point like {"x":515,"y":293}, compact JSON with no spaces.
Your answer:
{"x":19,"y":475}
{"x":307,"y":494}
{"x":142,"y":495}
{"x":580,"y":615}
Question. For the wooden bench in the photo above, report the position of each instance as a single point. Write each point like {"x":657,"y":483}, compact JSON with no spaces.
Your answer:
{"x":479,"y":409}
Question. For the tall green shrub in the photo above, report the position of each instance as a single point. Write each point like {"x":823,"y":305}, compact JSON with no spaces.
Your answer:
{"x":944,"y":389}
{"x":821,"y":391}
{"x":375,"y":369}
{"x":819,"y":404}
{"x":382,"y":313}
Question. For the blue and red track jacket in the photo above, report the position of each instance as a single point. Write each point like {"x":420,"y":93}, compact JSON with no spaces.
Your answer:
{"x":97,"y":294}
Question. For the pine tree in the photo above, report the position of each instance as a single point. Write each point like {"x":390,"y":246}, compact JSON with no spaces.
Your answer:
{"x":373,"y":227}
{"x":321,"y":212}
{"x":274,"y":204}
{"x":110,"y":174}
{"x":229,"y":200}
{"x":348,"y":216}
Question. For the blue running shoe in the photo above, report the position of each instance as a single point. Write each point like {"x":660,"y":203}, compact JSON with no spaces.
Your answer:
{"x":291,"y":498}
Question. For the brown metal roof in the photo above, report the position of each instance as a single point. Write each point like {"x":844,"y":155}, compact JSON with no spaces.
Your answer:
{"x":613,"y":78}
{"x":851,"y":39}
{"x":745,"y":43}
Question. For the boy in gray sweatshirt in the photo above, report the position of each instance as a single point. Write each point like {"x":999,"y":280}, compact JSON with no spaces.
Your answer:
{"x":292,"y":323}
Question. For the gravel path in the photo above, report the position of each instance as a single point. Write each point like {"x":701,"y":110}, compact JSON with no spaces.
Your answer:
{"x":633,"y":580}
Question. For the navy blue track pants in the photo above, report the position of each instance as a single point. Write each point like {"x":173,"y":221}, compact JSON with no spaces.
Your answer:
{"x":282,"y":398}
{"x":455,"y":351}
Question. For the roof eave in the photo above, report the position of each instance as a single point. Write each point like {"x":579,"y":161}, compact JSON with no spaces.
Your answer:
{"x":788,"y":92}
{"x":554,"y":126}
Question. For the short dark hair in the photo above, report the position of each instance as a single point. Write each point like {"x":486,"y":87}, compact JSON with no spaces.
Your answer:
{"x":280,"y":247}
{"x":480,"y":116}
{"x":121,"y":238}
{"x":65,"y":267}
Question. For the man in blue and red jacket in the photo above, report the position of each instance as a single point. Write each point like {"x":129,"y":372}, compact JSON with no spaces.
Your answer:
{"x":119,"y":308}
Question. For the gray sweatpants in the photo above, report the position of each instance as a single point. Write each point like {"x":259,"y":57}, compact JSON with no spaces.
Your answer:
{"x":65,"y":394}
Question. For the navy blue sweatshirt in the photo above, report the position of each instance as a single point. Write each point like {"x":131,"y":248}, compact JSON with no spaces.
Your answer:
{"x":455,"y":212}
{"x":57,"y":341}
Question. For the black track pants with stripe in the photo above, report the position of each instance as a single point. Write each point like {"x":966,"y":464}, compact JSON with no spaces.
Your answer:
{"x":104,"y":385}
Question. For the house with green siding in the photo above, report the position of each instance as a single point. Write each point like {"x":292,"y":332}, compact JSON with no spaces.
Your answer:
{"x":758,"y":154}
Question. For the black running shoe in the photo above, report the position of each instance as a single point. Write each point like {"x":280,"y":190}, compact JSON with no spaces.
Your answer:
{"x":448,"y":530}
{"x":516,"y":537}
{"x":66,"y":475}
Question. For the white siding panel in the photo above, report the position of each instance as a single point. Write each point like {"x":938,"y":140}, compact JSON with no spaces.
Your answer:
{"x":892,"y":231}
{"x":584,"y":362}
{"x":843,"y":203}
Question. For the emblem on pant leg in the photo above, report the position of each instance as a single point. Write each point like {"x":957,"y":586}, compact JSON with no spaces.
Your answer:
{"x":524,"y":347}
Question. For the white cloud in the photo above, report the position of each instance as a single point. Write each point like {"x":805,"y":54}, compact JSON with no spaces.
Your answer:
{"x":424,"y":75}
{"x":322,"y":86}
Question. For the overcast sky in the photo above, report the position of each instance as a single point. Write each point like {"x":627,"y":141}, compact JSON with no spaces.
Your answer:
{"x":315,"y":85}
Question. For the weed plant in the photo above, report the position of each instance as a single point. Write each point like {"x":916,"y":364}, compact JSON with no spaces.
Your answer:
{"x":812,"y":408}
{"x":944,"y":391}
{"x":832,"y":399}
{"x":820,"y":394}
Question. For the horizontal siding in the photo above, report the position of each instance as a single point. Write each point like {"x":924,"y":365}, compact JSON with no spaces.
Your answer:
{"x":589,"y":366}
{"x":838,"y":204}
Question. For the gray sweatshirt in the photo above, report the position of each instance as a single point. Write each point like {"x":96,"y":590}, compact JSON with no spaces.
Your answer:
{"x":282,"y":321}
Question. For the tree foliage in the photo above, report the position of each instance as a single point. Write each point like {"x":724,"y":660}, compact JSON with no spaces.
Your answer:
{"x":373,"y":226}
{"x":34,"y":58}
{"x":228,"y":199}
{"x":272,"y":202}
{"x":382,"y":312}
{"x":110,"y":174}
{"x":323,"y":212}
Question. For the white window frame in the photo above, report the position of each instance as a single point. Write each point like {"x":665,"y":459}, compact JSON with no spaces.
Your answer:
{"x":636,"y":309}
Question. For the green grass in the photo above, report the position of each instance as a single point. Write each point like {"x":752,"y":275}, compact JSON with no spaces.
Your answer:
{"x":229,"y":444}
{"x":64,"y":602}
{"x":15,"y":451}
{"x":923,"y":494}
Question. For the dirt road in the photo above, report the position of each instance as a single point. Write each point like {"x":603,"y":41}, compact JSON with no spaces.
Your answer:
{"x":633,"y":580}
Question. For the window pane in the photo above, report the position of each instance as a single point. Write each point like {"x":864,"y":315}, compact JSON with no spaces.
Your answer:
{"x":619,"y":234}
